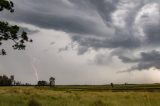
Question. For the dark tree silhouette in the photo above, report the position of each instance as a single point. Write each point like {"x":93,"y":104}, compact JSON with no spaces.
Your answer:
{"x":52,"y":81}
{"x":112,"y":85}
{"x":42,"y":83}
{"x":18,"y":83}
{"x":6,"y":81}
{"x":9,"y":32}
{"x":12,"y":80}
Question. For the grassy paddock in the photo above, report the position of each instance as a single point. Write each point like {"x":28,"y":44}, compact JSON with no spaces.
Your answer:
{"x":130,"y":95}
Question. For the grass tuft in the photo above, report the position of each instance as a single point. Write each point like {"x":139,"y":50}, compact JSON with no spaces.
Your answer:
{"x":99,"y":103}
{"x":33,"y":102}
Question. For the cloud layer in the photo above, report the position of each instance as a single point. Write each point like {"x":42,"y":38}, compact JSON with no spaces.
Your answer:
{"x":130,"y":29}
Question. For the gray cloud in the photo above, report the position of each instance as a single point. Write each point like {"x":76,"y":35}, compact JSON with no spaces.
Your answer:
{"x":68,"y":19}
{"x":96,"y":24}
{"x":127,"y":59}
{"x":102,"y":59}
{"x":29,"y":31}
{"x":105,"y":8}
{"x":86,"y":18}
{"x":146,"y":61}
{"x":120,"y":41}
{"x":153,"y":34}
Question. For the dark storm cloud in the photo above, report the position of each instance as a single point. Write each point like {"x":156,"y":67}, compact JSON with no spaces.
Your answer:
{"x":127,"y":59}
{"x":115,"y":42}
{"x":103,"y":7}
{"x":62,"y":17}
{"x":121,"y":39}
{"x":91,"y":24}
{"x":81,"y":17}
{"x":146,"y":61}
{"x":29,"y":31}
{"x":78,"y":17}
{"x":67,"y":24}
{"x":153,"y":33}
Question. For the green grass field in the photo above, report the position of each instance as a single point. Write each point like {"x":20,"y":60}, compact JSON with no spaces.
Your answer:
{"x":120,"y":95}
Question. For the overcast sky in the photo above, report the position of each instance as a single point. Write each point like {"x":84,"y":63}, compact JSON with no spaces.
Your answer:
{"x":86,"y":41}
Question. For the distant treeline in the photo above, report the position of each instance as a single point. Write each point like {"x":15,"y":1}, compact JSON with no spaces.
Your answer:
{"x":6,"y":81}
{"x":45,"y":83}
{"x":10,"y":81}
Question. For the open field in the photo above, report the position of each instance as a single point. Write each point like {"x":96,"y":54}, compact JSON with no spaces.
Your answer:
{"x":120,"y":95}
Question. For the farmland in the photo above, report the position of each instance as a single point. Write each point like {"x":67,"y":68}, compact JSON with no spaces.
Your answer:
{"x":81,"y":95}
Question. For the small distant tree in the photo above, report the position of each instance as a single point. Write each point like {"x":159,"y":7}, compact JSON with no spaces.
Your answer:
{"x":5,"y":81}
{"x":18,"y":83}
{"x":42,"y":83}
{"x":12,"y":80}
{"x":27,"y":84}
{"x":112,"y":85}
{"x":52,"y":81}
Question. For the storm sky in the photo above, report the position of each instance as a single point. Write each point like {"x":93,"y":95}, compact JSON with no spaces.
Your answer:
{"x":86,"y":41}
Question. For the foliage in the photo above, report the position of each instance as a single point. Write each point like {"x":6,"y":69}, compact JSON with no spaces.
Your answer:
{"x":45,"y":83}
{"x":52,"y":81}
{"x":112,"y":85}
{"x":8,"y":5}
{"x":5,"y":81}
{"x":42,"y":83}
{"x":34,"y":102}
{"x":11,"y":32}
